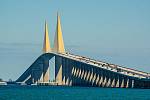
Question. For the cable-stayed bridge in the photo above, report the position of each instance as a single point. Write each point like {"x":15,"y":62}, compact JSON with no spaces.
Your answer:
{"x":75,"y":70}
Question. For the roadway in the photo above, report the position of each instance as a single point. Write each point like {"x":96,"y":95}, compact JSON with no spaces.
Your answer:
{"x":107,"y":66}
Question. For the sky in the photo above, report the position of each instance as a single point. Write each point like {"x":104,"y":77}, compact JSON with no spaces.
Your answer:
{"x":115,"y":31}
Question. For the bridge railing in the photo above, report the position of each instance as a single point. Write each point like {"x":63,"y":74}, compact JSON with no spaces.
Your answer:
{"x":109,"y":66}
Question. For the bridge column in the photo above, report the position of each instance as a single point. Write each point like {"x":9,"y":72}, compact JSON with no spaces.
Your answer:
{"x":127,"y":83}
{"x":66,"y":71}
{"x":97,"y":80}
{"x":113,"y":80}
{"x":74,"y":75}
{"x":109,"y":79}
{"x":94,"y":77}
{"x":46,"y":71}
{"x":91,"y":77}
{"x":67,"y":65}
{"x":63,"y":71}
{"x":97,"y":77}
{"x":79,"y":74}
{"x":132,"y":84}
{"x":85,"y":74}
{"x":82,"y":75}
{"x":117,"y":81}
{"x":58,"y":70}
{"x":100,"y":77}
{"x":70,"y":67}
{"x":36,"y":76}
{"x":37,"y":72}
{"x":104,"y":79}
{"x":88,"y":76}
{"x":122,"y":83}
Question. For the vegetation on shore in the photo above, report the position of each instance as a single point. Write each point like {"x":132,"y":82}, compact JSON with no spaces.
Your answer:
{"x":1,"y":80}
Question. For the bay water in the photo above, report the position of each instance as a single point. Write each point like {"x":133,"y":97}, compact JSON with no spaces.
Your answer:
{"x":71,"y":93}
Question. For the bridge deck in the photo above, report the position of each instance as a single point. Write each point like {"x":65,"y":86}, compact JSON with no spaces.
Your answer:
{"x":108,"y":66}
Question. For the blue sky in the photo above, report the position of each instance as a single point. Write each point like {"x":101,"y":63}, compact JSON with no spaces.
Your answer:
{"x":116,"y":31}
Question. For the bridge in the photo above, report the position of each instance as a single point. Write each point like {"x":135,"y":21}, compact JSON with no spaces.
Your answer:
{"x":75,"y":70}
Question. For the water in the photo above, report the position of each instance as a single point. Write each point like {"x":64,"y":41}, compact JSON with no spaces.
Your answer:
{"x":71,"y":93}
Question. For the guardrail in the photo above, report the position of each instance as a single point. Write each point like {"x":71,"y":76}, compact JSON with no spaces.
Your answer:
{"x":109,"y":66}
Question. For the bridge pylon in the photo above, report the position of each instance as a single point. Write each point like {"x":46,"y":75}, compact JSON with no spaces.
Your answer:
{"x":46,"y":49}
{"x":58,"y":48}
{"x":58,"y":41}
{"x":46,"y":44}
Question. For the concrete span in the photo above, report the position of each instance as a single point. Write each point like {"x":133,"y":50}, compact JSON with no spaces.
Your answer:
{"x":73,"y":70}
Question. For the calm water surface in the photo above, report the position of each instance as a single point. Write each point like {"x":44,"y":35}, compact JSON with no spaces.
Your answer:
{"x":71,"y":93}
